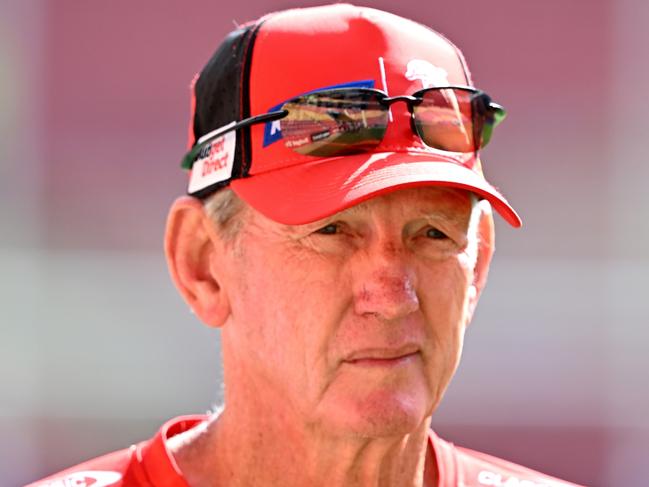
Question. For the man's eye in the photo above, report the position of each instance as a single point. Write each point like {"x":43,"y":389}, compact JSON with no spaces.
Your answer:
{"x":436,"y":234}
{"x":331,"y":229}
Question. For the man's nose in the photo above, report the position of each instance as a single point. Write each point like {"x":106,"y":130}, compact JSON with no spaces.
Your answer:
{"x":385,"y":284}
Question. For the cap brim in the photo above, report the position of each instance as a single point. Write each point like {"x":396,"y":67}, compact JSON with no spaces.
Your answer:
{"x":305,"y":193}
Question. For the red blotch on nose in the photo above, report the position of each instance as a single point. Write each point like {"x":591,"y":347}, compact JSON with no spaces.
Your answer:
{"x":390,"y":297}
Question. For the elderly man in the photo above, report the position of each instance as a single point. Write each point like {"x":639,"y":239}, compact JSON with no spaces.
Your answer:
{"x":338,"y":231}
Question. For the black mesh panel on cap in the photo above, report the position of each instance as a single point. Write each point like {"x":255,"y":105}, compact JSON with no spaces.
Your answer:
{"x":222,"y":95}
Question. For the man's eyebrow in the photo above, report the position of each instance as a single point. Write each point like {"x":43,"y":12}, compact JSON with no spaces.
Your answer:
{"x":295,"y":229}
{"x":356,"y":208}
{"x":352,"y":210}
{"x":446,"y":216}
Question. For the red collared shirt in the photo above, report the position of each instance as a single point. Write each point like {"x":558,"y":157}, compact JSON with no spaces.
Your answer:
{"x":149,"y":464}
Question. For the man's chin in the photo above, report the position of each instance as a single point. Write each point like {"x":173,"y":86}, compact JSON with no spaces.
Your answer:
{"x":380,"y":415}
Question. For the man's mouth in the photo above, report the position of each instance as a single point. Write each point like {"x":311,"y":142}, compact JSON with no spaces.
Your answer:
{"x":383,"y":357}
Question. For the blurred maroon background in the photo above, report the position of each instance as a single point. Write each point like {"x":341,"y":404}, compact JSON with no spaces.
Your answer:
{"x":97,"y":348}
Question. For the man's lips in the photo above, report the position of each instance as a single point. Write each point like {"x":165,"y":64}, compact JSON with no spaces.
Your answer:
{"x":382,"y":356}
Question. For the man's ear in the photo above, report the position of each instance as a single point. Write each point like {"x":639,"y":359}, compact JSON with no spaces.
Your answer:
{"x":192,"y":247}
{"x":486,"y":247}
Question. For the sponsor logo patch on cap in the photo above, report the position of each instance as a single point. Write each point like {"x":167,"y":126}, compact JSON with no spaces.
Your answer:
{"x":214,"y":162}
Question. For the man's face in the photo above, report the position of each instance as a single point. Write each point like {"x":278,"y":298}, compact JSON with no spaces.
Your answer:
{"x":353,"y":324}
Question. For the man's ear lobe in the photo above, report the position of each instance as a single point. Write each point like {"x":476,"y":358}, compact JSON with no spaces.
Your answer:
{"x":486,"y":247}
{"x":191,"y":246}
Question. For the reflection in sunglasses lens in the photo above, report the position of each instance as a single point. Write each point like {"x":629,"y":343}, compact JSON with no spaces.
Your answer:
{"x":444,"y":120}
{"x":335,"y":123}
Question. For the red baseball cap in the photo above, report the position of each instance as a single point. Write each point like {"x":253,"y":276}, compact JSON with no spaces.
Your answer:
{"x":289,"y":53}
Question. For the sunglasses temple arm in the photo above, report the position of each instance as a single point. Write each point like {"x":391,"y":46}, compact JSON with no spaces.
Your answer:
{"x":265,"y":117}
{"x":188,"y":160}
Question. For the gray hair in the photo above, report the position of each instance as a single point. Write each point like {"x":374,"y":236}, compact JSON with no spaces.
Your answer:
{"x":478,"y":207}
{"x":225,"y":208}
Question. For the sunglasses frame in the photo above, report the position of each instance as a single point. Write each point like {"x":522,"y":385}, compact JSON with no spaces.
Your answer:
{"x":413,"y":100}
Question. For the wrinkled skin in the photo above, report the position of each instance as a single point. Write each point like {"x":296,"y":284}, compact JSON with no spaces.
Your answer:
{"x":339,"y":337}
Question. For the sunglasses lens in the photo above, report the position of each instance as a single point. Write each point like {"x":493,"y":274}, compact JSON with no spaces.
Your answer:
{"x":334,"y":123}
{"x":454,"y":120}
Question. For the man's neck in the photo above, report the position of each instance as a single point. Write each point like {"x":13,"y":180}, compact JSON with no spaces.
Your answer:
{"x":240,"y":453}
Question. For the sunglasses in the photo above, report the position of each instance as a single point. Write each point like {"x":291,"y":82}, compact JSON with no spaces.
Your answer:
{"x":345,"y":121}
